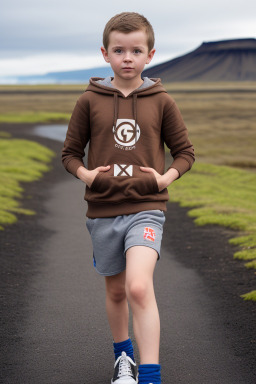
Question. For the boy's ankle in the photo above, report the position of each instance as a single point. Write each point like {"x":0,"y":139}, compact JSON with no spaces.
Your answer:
{"x":124,"y":346}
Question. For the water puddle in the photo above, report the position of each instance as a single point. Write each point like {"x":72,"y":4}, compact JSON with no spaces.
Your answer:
{"x":54,"y":131}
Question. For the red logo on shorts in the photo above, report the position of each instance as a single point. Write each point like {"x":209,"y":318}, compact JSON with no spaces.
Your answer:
{"x":149,"y":234}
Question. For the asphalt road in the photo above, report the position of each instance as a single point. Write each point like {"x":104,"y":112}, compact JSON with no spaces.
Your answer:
{"x":53,"y":326}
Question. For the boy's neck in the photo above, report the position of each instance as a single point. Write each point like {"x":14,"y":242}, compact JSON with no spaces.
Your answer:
{"x":126,"y":86}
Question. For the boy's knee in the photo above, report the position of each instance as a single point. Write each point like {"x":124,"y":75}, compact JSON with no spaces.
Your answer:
{"x":116,"y":293}
{"x":137,"y":292}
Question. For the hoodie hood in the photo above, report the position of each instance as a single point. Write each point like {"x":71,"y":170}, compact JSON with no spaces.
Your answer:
{"x":101,"y":85}
{"x":108,"y":82}
{"x":104,"y":86}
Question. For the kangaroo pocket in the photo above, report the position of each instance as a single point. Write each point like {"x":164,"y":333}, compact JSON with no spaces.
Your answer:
{"x":123,"y":183}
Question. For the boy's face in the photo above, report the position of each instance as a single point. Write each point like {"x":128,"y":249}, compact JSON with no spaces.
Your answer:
{"x":128,"y":54}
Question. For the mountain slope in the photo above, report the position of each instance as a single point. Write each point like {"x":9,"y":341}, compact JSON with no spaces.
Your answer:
{"x":228,"y":60}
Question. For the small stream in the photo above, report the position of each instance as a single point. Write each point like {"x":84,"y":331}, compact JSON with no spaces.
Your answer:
{"x":54,"y":131}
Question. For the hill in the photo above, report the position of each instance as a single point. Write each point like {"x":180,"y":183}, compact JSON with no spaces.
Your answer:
{"x":227,"y":60}
{"x":81,"y":76}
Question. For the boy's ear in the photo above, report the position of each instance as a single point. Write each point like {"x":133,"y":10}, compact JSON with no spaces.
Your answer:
{"x":150,"y":56}
{"x":105,"y":54}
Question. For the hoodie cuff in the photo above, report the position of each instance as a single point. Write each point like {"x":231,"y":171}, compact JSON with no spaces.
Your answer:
{"x":181,"y":165}
{"x":73,"y":166}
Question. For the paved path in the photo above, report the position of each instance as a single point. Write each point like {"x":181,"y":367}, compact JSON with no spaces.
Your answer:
{"x":64,"y":336}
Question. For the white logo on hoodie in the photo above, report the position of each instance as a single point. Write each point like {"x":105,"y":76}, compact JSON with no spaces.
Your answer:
{"x":125,"y":133}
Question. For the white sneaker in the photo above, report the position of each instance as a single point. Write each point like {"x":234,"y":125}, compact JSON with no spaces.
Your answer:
{"x":124,"y":370}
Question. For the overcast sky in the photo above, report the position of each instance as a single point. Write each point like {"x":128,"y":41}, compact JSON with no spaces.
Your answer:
{"x":38,"y":36}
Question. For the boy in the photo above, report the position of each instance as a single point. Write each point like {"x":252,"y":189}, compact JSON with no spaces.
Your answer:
{"x":127,"y":119}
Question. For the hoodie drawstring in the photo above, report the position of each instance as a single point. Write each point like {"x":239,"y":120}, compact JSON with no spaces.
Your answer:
{"x":116,"y":108}
{"x":134,"y":111}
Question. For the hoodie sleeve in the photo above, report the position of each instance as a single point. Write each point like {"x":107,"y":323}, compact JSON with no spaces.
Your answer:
{"x":78,"y":135}
{"x":175,"y":136}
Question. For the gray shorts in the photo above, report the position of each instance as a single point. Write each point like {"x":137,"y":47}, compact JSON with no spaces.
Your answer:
{"x":113,"y":236}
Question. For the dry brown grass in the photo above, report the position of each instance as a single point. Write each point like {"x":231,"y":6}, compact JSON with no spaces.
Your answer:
{"x":221,"y":117}
{"x":58,"y":99}
{"x":221,"y":123}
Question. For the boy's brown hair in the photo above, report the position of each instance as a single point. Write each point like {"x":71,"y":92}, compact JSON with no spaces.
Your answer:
{"x":127,"y":22}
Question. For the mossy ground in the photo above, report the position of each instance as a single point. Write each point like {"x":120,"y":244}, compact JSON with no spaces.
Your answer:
{"x":20,"y":161}
{"x":223,"y":196}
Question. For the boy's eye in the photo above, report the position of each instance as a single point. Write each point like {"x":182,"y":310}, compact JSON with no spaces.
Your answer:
{"x":118,"y":50}
{"x":136,"y":51}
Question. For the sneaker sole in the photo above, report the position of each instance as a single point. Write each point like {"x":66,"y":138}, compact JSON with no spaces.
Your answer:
{"x":121,"y":381}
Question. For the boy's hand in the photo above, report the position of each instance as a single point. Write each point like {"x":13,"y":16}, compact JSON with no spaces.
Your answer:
{"x":165,"y":180}
{"x":88,"y":176}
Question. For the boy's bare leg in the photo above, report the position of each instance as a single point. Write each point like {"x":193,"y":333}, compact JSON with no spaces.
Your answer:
{"x":117,"y":306}
{"x":140,"y":264}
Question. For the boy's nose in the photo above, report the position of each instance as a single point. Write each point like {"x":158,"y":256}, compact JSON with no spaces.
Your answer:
{"x":127,"y":57}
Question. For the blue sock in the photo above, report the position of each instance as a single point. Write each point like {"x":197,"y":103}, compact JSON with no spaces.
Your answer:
{"x":149,"y":373}
{"x":124,"y":346}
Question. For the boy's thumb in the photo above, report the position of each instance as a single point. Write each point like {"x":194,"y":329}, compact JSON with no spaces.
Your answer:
{"x":103,"y":168}
{"x":145,"y":169}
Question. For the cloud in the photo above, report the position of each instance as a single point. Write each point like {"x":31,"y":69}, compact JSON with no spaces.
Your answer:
{"x":36,"y":27}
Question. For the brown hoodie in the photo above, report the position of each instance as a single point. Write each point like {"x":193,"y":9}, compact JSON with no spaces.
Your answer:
{"x":107,"y":119}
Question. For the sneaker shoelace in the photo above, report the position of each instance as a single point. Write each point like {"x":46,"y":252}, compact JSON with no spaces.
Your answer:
{"x":125,"y":365}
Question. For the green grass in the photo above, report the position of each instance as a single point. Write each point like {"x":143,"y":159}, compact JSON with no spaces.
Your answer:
{"x":249,"y":296}
{"x":5,"y":134}
{"x":251,"y":264}
{"x":20,"y":161}
{"x":221,"y":195}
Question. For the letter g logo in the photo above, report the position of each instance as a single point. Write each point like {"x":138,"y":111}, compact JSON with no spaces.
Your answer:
{"x":125,"y":132}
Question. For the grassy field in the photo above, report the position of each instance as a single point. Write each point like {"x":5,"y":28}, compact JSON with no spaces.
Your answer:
{"x":38,"y":104}
{"x":221,"y":118}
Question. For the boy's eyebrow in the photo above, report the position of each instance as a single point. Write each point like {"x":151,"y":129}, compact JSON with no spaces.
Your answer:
{"x":135,"y":47}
